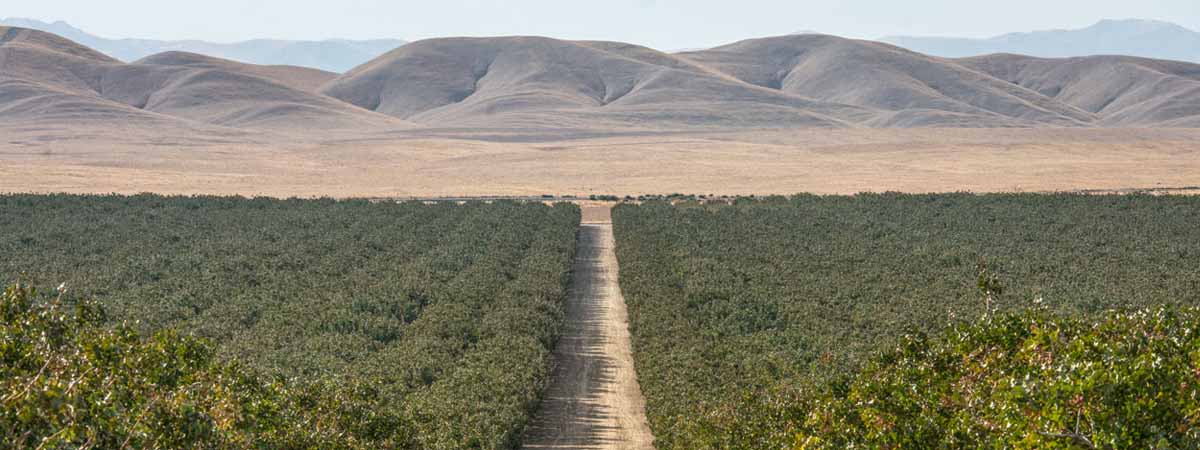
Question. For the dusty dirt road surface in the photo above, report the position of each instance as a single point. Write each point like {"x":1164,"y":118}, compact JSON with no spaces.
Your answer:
{"x":594,"y":401}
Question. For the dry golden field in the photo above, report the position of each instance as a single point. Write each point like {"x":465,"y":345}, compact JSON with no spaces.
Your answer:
{"x":489,"y":162}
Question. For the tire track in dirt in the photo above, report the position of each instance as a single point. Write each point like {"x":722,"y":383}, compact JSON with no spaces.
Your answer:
{"x":594,"y":401}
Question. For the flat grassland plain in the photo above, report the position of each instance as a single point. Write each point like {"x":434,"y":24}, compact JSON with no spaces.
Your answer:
{"x":511,"y":162}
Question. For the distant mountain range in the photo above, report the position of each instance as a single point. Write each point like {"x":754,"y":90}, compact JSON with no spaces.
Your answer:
{"x":1145,"y":38}
{"x":336,"y":55}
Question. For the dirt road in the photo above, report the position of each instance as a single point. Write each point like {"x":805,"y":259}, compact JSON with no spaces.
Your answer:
{"x":594,"y":401}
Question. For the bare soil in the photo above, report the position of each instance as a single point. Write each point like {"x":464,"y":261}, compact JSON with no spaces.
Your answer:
{"x":594,"y":401}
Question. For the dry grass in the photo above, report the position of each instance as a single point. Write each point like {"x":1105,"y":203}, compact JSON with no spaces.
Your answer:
{"x":411,"y":164}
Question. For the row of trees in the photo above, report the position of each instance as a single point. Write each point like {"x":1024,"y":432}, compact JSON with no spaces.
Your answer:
{"x":446,"y":312}
{"x":70,"y":380}
{"x":1029,"y":380}
{"x":734,"y":306}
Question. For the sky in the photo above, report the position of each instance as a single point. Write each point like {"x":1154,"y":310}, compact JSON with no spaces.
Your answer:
{"x":662,"y":24}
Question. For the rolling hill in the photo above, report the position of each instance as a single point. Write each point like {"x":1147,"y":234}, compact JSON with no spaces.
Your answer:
{"x":909,"y":88}
{"x":527,"y":83}
{"x":541,"y":81}
{"x":48,"y":77}
{"x":1120,"y":90}
{"x":297,"y":77}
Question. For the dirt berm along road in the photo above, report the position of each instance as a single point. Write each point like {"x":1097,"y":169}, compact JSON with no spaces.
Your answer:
{"x":594,"y":401}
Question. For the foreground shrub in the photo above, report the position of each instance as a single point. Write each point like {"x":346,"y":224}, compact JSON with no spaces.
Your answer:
{"x":69,"y":382}
{"x":1031,"y":380}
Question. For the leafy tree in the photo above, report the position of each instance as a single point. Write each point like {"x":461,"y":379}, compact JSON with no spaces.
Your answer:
{"x":734,"y":304}
{"x":414,"y":307}
{"x":71,"y":382}
{"x":1031,"y":380}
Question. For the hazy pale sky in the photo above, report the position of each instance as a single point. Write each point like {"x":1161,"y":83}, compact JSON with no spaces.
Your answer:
{"x":663,"y":24}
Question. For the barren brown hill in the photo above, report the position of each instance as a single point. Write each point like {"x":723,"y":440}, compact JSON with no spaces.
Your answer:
{"x":47,"y":78}
{"x":1120,"y":90}
{"x":533,"y":81}
{"x":232,"y":99}
{"x":30,"y":38}
{"x":296,"y":77}
{"x":913,"y":89}
{"x":555,"y":86}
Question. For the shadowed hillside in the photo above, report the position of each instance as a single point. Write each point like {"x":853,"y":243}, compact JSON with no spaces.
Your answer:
{"x":912,"y":89}
{"x":1121,"y":90}
{"x":301,"y":78}
{"x":534,"y":80}
{"x":48,"y":77}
